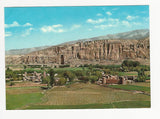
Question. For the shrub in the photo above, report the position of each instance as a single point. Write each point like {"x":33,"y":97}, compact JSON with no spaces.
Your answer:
{"x":11,"y":84}
{"x":7,"y":81}
{"x":79,"y":73}
{"x":46,"y":80}
{"x":86,"y":65}
{"x":62,"y":81}
{"x":62,"y":66}
{"x":92,"y":79}
{"x":84,"y":79}
{"x":90,"y":67}
{"x":141,"y":76}
{"x":14,"y":75}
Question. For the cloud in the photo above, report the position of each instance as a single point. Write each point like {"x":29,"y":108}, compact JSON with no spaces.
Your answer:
{"x":113,"y":20}
{"x":16,"y":24}
{"x":54,"y":28}
{"x":146,"y":19}
{"x":27,"y":24}
{"x":136,"y":23}
{"x":110,"y":22}
{"x":99,"y":14}
{"x":109,"y":13}
{"x":58,"y":25}
{"x":7,"y":34}
{"x":130,"y":24}
{"x":131,"y":17}
{"x":27,"y":32}
{"x":103,"y":26}
{"x":96,"y":21}
{"x":75,"y":26}
{"x":126,"y":23}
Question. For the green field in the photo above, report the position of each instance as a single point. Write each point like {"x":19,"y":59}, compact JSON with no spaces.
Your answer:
{"x":130,"y":87}
{"x":125,"y":104}
{"x":19,"y":100}
{"x":145,"y":84}
{"x":75,"y":96}
{"x":17,"y":97}
{"x":128,"y":73}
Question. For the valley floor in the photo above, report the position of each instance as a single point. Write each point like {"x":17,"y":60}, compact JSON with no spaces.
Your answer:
{"x":78,"y":96}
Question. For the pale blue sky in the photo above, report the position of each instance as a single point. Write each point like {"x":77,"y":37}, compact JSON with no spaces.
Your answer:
{"x":27,"y":27}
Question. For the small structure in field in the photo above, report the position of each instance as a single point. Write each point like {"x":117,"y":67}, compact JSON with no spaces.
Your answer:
{"x":128,"y":79}
{"x":35,"y":77}
{"x":110,"y":79}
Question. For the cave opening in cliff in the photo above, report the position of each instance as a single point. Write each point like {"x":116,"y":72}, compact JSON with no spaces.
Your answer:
{"x":108,"y":45}
{"x":78,"y":56}
{"x":62,"y":59}
{"x":72,"y":49}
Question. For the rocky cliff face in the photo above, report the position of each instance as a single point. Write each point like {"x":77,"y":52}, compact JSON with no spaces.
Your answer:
{"x":88,"y":52}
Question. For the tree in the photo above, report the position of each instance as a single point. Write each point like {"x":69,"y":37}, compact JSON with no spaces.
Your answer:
{"x":79,"y":73}
{"x":90,"y":67}
{"x":24,"y":66}
{"x":128,"y":65}
{"x":92,"y":79}
{"x":141,"y":76}
{"x":46,"y":81}
{"x":69,"y":75}
{"x":98,"y":74}
{"x":136,"y":63}
{"x":51,"y":72}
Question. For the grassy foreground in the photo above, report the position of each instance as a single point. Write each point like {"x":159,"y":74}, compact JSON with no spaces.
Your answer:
{"x":125,"y":104}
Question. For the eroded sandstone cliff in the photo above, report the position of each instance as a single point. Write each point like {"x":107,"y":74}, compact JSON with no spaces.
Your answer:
{"x":88,"y":52}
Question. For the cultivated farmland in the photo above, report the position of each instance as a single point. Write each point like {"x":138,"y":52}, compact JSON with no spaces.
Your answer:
{"x":74,"y":96}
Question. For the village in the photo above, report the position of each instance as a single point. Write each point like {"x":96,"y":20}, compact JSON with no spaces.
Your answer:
{"x":96,"y":74}
{"x":105,"y":79}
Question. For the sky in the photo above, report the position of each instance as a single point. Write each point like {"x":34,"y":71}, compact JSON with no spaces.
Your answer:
{"x":27,"y":27}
